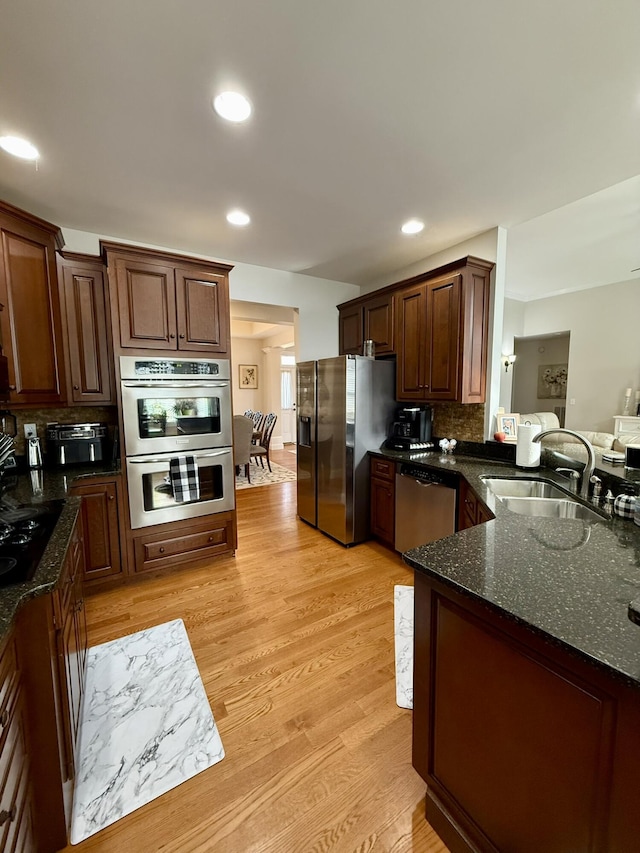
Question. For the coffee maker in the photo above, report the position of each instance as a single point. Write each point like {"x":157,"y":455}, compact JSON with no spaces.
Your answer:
{"x":411,"y":429}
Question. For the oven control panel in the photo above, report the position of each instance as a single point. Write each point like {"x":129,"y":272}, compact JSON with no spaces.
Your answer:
{"x":149,"y":367}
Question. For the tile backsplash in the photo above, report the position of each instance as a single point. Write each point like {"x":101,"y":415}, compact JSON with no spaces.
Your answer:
{"x":462,"y":421}
{"x":68,"y":415}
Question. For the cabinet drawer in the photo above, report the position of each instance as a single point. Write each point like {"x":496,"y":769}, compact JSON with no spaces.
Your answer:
{"x":383,"y":469}
{"x":159,"y":550}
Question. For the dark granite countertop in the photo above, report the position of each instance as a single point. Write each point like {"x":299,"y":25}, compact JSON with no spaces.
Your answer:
{"x":569,"y":579}
{"x":37,"y":487}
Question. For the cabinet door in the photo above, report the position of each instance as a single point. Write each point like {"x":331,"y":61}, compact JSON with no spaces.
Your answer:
{"x":350,"y":330}
{"x":100,"y":521}
{"x":383,"y":510}
{"x":410,"y":335}
{"x":443,"y":337}
{"x":85,"y":312}
{"x":379,"y":323}
{"x":30,"y":321}
{"x":202,"y":300}
{"x":146,"y":304}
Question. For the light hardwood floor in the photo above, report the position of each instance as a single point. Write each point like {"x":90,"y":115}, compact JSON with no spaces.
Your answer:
{"x":294,"y":641}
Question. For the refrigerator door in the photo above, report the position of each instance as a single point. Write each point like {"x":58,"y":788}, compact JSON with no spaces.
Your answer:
{"x":336,"y":416}
{"x":355,"y":407}
{"x":306,"y":440}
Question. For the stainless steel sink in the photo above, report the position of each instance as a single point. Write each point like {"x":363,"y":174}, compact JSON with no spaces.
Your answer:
{"x":551,"y":508}
{"x":503,"y":487}
{"x":539,"y":498}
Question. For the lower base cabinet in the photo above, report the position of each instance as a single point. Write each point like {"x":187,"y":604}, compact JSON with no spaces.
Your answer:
{"x":524,"y":746}
{"x":471,"y":511}
{"x":383,"y":500}
{"x":51,"y":642}
{"x":101,"y":514}
{"x":173,"y":545}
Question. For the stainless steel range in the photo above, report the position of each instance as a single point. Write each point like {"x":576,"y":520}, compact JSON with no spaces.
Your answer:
{"x":24,"y":534}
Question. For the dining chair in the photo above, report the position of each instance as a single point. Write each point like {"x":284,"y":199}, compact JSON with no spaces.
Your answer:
{"x":242,"y":446}
{"x":258,"y":426}
{"x":261,"y":450}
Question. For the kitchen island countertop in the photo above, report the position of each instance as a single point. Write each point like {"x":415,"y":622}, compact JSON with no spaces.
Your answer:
{"x":571,"y":581}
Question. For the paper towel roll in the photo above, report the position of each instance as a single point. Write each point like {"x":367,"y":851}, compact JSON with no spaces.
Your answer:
{"x":528,"y":450}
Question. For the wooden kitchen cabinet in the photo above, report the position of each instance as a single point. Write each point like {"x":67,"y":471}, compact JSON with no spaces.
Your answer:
{"x":471,"y":510}
{"x":367,"y":319}
{"x":86,"y":330}
{"x":71,"y":644}
{"x":523,"y":745}
{"x":31,"y":321}
{"x":167,"y":546}
{"x":51,"y":641}
{"x":383,"y":500}
{"x":16,"y":797}
{"x":350,"y":329}
{"x":441,"y":329}
{"x":168,"y":302}
{"x":101,"y":514}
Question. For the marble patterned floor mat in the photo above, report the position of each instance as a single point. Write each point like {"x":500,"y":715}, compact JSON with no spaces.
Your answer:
{"x":403,"y":641}
{"x":146,"y":726}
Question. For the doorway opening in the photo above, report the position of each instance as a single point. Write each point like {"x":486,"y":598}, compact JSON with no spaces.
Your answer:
{"x":541,"y":374}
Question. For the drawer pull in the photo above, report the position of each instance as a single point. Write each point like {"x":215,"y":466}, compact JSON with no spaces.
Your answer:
{"x":6,"y":816}
{"x":210,"y":539}
{"x":161,"y":549}
{"x":4,"y":717}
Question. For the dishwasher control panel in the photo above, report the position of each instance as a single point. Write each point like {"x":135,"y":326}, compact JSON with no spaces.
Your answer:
{"x":425,"y":475}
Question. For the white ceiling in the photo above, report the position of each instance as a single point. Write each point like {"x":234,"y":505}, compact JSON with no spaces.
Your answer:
{"x":466,"y":114}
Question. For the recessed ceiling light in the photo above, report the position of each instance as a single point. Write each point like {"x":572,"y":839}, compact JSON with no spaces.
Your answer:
{"x":232,"y":105}
{"x":238,"y":217}
{"x":412,"y":226}
{"x":19,"y":147}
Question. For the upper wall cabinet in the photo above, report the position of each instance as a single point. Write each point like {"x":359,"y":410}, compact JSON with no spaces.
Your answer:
{"x":30,"y":320}
{"x":442,"y":328}
{"x":87,"y":330}
{"x":367,"y":319}
{"x":168,"y":302}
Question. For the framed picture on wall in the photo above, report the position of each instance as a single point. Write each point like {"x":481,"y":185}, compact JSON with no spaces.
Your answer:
{"x":248,"y":375}
{"x":508,"y":424}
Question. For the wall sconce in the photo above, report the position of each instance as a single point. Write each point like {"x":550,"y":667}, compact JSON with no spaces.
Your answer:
{"x":508,"y":362}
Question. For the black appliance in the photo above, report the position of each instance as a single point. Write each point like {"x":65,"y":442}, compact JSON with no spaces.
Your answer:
{"x":24,"y":534}
{"x":411,"y":429}
{"x":77,"y":444}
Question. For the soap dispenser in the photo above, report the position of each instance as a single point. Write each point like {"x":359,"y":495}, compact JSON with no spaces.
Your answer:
{"x":34,"y":452}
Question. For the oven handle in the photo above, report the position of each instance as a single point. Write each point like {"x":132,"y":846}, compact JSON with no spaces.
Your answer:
{"x":151,"y":459}
{"x":163,"y":383}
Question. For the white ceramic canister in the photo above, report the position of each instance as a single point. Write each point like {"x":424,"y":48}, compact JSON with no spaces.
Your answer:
{"x":528,"y":450}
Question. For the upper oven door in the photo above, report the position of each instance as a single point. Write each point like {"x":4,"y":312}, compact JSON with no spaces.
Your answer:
{"x":180,"y":415}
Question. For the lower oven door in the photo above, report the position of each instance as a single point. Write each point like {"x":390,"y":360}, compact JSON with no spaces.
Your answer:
{"x":151,"y":498}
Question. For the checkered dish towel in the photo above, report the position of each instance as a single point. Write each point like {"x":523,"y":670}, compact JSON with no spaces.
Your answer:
{"x":183,"y":471}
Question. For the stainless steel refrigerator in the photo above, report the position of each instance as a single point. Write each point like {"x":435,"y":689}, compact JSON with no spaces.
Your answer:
{"x":345,"y":406}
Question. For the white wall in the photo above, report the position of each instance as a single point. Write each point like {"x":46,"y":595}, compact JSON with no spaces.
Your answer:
{"x":604,"y":356}
{"x":316,"y":298}
{"x":513,"y":326}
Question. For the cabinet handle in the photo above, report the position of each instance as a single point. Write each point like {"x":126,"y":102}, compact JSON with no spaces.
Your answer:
{"x":76,"y":387}
{"x":210,"y":539}
{"x":6,"y":816}
{"x":171,"y":336}
{"x":111,"y":497}
{"x":4,"y":717}
{"x":181,"y":337}
{"x":161,"y":550}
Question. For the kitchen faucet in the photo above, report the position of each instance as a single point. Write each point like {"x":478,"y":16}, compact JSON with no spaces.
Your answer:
{"x":591,"y":457}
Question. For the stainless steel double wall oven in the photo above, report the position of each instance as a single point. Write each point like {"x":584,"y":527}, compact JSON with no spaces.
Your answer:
{"x":172,"y":408}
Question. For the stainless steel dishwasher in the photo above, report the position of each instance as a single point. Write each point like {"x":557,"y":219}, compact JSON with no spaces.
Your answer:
{"x":425,"y":506}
